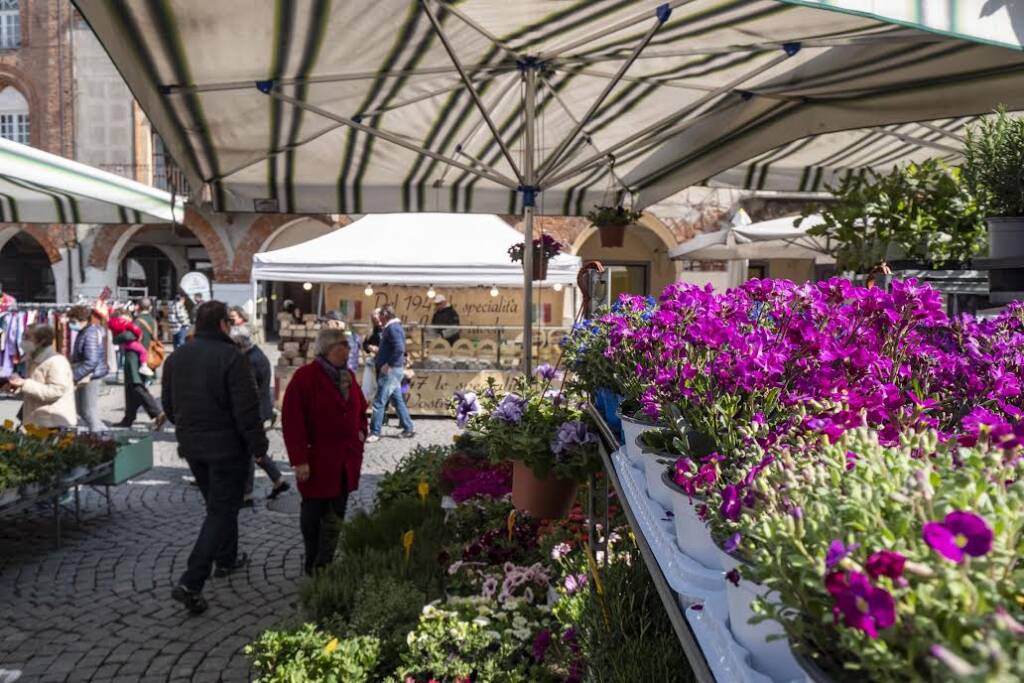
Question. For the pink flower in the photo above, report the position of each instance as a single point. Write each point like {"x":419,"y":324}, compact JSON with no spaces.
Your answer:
{"x":862,"y":605}
{"x":960,"y":533}
{"x":885,"y":563}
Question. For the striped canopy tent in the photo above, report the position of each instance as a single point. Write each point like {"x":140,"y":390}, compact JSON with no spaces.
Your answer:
{"x":313,"y":106}
{"x":39,"y":187}
{"x":816,"y":163}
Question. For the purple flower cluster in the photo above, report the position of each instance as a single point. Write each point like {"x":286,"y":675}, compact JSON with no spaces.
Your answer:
{"x":466,"y":406}
{"x":510,"y":409}
{"x":572,"y":435}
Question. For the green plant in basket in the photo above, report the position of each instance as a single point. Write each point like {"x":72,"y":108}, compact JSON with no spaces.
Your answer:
{"x":541,"y":428}
{"x":311,"y":655}
{"x":613,"y":215}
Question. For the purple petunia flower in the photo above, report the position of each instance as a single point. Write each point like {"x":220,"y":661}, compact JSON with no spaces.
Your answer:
{"x":731,"y":503}
{"x":572,"y":434}
{"x":546,"y":372}
{"x":510,"y":409}
{"x":733,"y":542}
{"x":575,"y":583}
{"x":466,"y":406}
{"x":837,"y":551}
{"x":541,"y":642}
{"x":960,"y":533}
{"x":885,"y":563}
{"x":862,"y":605}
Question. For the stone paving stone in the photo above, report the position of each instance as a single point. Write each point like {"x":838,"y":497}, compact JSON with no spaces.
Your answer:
{"x":99,"y":608}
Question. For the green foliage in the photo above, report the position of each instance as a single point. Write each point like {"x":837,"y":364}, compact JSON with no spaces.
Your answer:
{"x":583,"y":353}
{"x":387,"y":608}
{"x":311,"y":655}
{"x":922,"y":212}
{"x":994,"y":163}
{"x":422,"y":464}
{"x":612,"y":215}
{"x":383,"y":529}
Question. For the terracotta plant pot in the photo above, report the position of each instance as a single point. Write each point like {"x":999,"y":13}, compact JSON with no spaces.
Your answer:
{"x":548,"y":498}
{"x":611,"y":235}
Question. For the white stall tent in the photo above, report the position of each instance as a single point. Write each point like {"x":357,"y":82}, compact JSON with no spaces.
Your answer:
{"x":444,"y":250}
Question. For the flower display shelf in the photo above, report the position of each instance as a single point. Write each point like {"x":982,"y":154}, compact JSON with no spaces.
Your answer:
{"x":696,"y":594}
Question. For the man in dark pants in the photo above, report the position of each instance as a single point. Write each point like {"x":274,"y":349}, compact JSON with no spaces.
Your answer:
{"x":210,"y":396}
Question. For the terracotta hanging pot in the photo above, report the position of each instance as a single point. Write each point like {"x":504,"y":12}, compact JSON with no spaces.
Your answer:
{"x":548,"y":498}
{"x":540,"y":264}
{"x":612,"y":235}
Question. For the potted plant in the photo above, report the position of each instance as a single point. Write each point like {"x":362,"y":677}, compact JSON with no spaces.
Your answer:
{"x":611,"y":222}
{"x":547,"y":438}
{"x":994,"y":171}
{"x":545,"y":248}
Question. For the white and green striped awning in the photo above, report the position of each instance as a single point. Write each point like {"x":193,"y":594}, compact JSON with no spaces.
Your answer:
{"x":314,"y":106}
{"x":815,"y":163}
{"x":39,"y":187}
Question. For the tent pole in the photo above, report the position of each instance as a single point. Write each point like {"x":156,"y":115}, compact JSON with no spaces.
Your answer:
{"x":529,"y":204}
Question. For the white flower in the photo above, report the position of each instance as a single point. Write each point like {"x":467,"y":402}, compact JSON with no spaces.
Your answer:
{"x":528,"y":595}
{"x":519,"y":621}
{"x":521,"y":633}
{"x":560,"y":551}
{"x":482,"y":621}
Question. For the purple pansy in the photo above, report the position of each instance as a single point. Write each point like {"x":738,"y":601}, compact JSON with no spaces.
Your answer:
{"x":960,"y":533}
{"x":732,"y":543}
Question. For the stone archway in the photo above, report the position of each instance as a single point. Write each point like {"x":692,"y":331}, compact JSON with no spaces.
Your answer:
{"x":263,"y":231}
{"x":22,"y":270}
{"x":13,"y":77}
{"x":39,"y":233}
{"x":646,"y":246}
{"x":647,"y":220}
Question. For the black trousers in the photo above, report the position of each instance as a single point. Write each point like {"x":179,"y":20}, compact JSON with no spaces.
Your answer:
{"x":221,"y":482}
{"x":137,"y":396}
{"x":318,"y":533}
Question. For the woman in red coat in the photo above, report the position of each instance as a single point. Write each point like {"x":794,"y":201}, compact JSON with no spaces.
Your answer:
{"x":324,"y":423}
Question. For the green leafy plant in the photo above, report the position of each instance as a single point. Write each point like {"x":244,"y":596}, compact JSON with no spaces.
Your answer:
{"x":312,"y":655}
{"x":422,"y":464}
{"x":612,"y":215}
{"x":922,"y":212}
{"x":994,"y":163}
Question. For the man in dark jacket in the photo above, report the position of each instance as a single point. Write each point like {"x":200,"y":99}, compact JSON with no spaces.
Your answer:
{"x":445,"y":321}
{"x":209,"y":394}
{"x":89,"y":364}
{"x":390,"y":366}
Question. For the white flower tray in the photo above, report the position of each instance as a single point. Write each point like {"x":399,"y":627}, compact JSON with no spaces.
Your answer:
{"x":701,"y":591}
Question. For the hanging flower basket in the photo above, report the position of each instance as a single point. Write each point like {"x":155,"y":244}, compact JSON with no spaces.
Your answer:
{"x":545,"y":248}
{"x":611,"y":222}
{"x":548,"y":498}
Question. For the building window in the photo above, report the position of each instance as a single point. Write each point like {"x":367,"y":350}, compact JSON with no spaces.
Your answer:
{"x":14,"y":117}
{"x":10,"y":25}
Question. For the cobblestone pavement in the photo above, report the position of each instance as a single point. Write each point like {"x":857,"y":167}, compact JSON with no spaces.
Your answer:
{"x":99,"y":608}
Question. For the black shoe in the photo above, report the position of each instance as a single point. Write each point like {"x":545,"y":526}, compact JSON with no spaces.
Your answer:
{"x":249,"y":503}
{"x":278,"y":490}
{"x":123,"y":424}
{"x":194,"y":602}
{"x":240,"y":563}
{"x":408,"y":434}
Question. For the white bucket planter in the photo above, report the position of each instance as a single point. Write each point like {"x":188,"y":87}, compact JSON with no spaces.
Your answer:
{"x":632,"y":428}
{"x":657,"y":489}
{"x":692,"y":535}
{"x":1005,"y":237}
{"x":772,"y":658}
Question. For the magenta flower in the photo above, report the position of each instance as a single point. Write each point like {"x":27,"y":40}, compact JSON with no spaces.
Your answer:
{"x":837,"y":551}
{"x":731,"y":503}
{"x":541,"y":643}
{"x":885,"y":563}
{"x":575,"y":583}
{"x":862,"y":605}
{"x":960,"y":533}
{"x":732,"y":543}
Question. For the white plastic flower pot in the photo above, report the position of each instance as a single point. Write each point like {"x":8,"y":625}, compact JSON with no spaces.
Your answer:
{"x":632,"y":428}
{"x":657,"y":489}
{"x":772,"y":658}
{"x":692,"y":535}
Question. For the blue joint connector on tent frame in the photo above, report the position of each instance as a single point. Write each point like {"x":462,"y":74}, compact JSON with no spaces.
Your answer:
{"x":529,"y":195}
{"x":265,"y":86}
{"x":164,"y":89}
{"x":663,"y":12}
{"x":529,"y":63}
{"x":358,"y":118}
{"x":791,"y":48}
{"x":745,"y":94}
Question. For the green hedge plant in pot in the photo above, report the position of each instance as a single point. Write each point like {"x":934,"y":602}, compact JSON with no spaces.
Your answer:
{"x":994,"y":171}
{"x":552,"y":446}
{"x":611,"y":222}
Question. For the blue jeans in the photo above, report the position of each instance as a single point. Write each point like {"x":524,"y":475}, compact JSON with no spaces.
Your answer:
{"x":389,"y":387}
{"x":180,"y":336}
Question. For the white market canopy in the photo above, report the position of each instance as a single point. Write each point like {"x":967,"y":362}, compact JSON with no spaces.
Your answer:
{"x":444,"y":250}
{"x":417,"y":105}
{"x":39,"y":187}
{"x":779,"y":238}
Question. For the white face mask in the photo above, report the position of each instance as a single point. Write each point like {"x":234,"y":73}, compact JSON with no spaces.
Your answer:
{"x":28,"y":346}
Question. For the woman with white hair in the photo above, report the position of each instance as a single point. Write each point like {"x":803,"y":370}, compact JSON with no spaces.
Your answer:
{"x":48,"y":393}
{"x":242,"y":335}
{"x":323,"y":420}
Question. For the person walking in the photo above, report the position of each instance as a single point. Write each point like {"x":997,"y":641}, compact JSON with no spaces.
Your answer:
{"x":445,"y":321}
{"x":262,"y":372}
{"x":178,"y":320}
{"x":89,"y":363}
{"x":136,"y":393}
{"x":323,"y":420}
{"x":390,"y":366}
{"x":48,"y":390}
{"x":210,"y":394}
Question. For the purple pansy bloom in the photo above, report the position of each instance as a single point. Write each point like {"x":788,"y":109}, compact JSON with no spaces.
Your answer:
{"x":861,"y":605}
{"x":510,"y":409}
{"x":732,"y":543}
{"x":960,"y":533}
{"x":466,"y":406}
